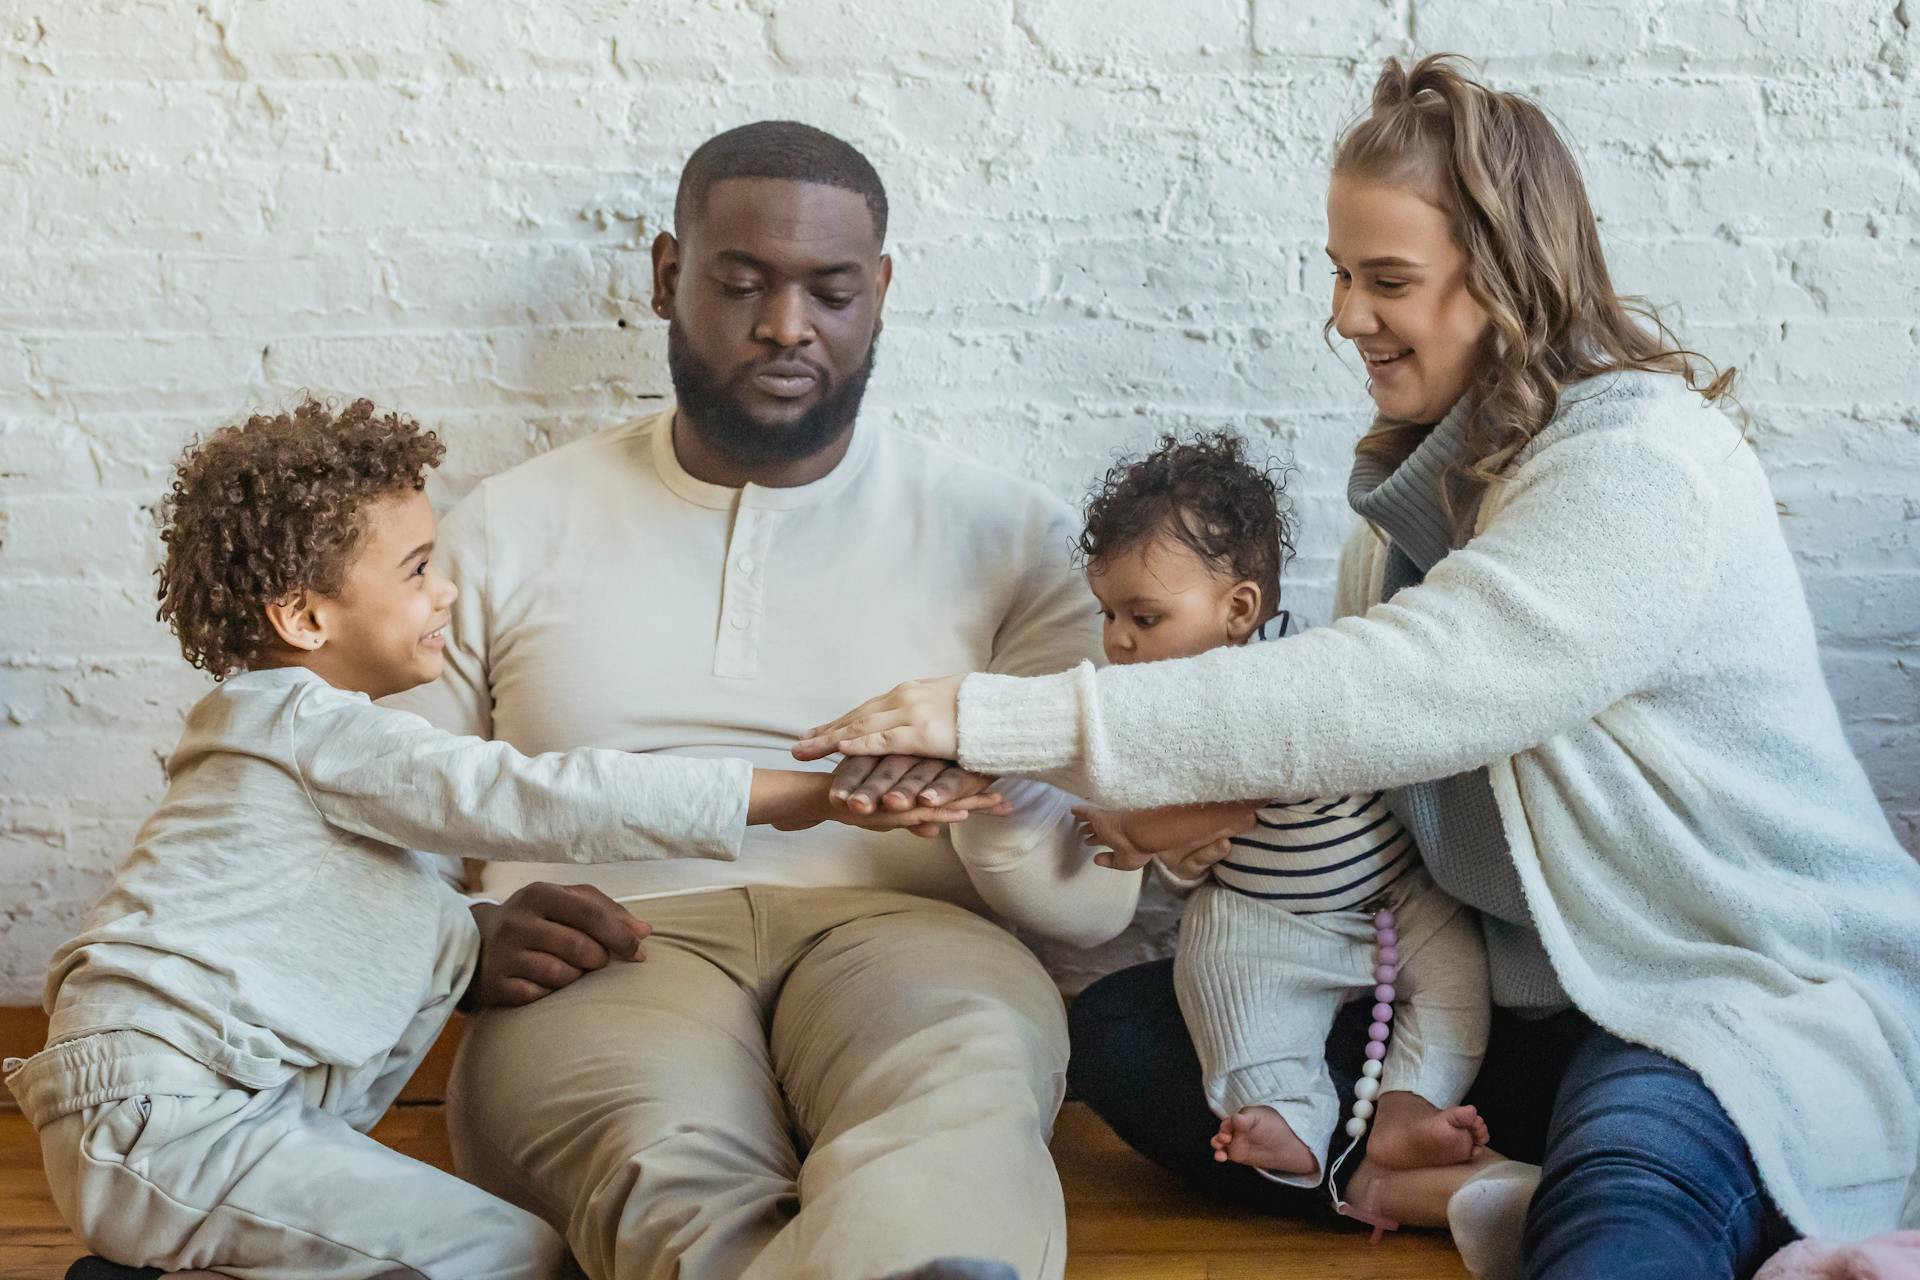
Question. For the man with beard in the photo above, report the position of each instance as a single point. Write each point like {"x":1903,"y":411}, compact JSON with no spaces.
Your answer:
{"x":834,"y":1061}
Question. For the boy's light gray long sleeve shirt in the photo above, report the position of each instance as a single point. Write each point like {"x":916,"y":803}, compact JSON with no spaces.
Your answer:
{"x":273,"y":915}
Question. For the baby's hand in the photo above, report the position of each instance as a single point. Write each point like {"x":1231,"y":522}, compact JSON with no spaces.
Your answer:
{"x":1105,"y":829}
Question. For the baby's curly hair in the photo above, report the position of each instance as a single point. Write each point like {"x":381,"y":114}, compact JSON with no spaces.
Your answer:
{"x":270,"y":507}
{"x":1228,"y":510}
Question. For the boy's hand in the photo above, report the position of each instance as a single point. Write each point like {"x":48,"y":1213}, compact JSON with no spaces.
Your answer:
{"x":545,"y":937}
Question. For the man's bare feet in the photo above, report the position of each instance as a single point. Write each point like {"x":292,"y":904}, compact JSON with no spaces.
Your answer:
{"x":1411,"y":1133}
{"x":1257,"y":1136}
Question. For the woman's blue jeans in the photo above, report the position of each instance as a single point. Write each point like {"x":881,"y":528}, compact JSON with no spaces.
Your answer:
{"x":1643,"y":1175}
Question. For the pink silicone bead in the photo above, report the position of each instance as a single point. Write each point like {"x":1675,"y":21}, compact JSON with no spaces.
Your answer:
{"x":1387,"y":937}
{"x":1376,"y":1050}
{"x":1383,"y":919}
{"x":1384,"y":993}
{"x":1377,"y":1032}
{"x":1389,"y":955}
{"x":1385,"y":973}
{"x":1383,"y":1012}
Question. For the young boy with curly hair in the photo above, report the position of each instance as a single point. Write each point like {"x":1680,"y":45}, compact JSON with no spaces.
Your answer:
{"x":1183,"y":550}
{"x":271,"y":963}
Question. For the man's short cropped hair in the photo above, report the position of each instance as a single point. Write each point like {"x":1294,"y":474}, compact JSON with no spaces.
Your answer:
{"x":783,"y":149}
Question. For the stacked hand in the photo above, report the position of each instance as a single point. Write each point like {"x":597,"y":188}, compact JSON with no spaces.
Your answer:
{"x":904,"y":787}
{"x":876,"y":796}
{"x":918,"y":718}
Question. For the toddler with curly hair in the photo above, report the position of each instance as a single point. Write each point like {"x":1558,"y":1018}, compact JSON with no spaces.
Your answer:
{"x":1183,"y":549}
{"x":273,"y":960}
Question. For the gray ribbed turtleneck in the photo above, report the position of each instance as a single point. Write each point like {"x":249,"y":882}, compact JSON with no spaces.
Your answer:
{"x":1454,"y":819}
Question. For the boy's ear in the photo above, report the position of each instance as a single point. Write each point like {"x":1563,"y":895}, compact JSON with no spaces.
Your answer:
{"x":298,"y":624}
{"x":1243,"y":611}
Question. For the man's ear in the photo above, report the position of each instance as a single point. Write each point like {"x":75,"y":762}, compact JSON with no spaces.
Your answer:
{"x":1243,"y":611}
{"x":881,"y":283}
{"x":297,"y":622}
{"x":666,"y":272}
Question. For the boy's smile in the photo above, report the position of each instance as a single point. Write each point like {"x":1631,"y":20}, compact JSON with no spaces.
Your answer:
{"x":385,"y":630}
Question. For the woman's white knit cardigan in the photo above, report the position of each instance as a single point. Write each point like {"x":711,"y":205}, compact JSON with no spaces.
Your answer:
{"x":1626,"y":644}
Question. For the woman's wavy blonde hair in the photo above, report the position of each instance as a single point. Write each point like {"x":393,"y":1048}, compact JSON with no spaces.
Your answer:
{"x":1493,"y":163}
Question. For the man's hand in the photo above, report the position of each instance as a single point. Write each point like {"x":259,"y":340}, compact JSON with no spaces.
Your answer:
{"x":918,"y":718}
{"x":543,"y":938}
{"x":793,"y":799}
{"x":867,"y":784}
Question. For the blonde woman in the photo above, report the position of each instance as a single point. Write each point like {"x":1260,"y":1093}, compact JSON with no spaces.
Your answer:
{"x":1575,"y":650}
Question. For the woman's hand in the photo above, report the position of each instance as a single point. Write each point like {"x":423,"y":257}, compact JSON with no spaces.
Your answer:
{"x":918,"y":718}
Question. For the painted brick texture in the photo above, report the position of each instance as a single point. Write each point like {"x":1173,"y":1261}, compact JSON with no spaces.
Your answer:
{"x":1107,"y":223}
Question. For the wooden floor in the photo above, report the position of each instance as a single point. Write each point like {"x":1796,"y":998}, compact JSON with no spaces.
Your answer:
{"x":1125,"y":1219}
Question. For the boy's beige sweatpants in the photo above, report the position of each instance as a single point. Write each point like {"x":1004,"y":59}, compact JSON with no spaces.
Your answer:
{"x":796,"y":1084}
{"x":155,"y":1160}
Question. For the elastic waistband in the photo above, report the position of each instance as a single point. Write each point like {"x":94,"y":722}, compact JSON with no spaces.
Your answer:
{"x":76,"y":1074}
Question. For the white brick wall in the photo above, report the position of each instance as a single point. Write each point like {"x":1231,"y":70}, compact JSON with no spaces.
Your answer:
{"x":1108,"y":218}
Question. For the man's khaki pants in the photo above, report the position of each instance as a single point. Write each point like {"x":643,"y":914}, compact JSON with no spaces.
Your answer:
{"x":794,"y":1083}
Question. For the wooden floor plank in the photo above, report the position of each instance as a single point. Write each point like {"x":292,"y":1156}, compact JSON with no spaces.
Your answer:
{"x":1126,"y":1220}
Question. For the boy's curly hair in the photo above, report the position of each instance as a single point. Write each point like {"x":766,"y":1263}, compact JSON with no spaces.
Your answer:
{"x":271,"y":507}
{"x":1206,"y":492}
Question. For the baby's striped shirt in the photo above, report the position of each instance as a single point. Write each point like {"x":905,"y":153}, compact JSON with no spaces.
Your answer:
{"x":1320,"y":855}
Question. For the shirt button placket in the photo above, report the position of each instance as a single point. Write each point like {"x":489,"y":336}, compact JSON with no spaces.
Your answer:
{"x":737,"y":654}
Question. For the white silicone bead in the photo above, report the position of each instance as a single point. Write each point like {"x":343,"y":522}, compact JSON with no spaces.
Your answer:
{"x":1363,"y":1109}
{"x":1366,"y":1087}
{"x":1370,"y":1069}
{"x":1356,"y":1127}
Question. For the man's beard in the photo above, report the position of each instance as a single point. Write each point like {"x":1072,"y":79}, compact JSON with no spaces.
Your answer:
{"x":711,"y":409}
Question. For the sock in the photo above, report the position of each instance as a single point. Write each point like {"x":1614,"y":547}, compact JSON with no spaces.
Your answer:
{"x":1487,"y":1217}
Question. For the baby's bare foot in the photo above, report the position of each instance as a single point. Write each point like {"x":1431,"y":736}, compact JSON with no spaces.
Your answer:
{"x":1437,"y":1138}
{"x":1257,"y":1136}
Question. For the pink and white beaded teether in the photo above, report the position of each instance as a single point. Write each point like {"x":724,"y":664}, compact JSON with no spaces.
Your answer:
{"x":1386,"y":968}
